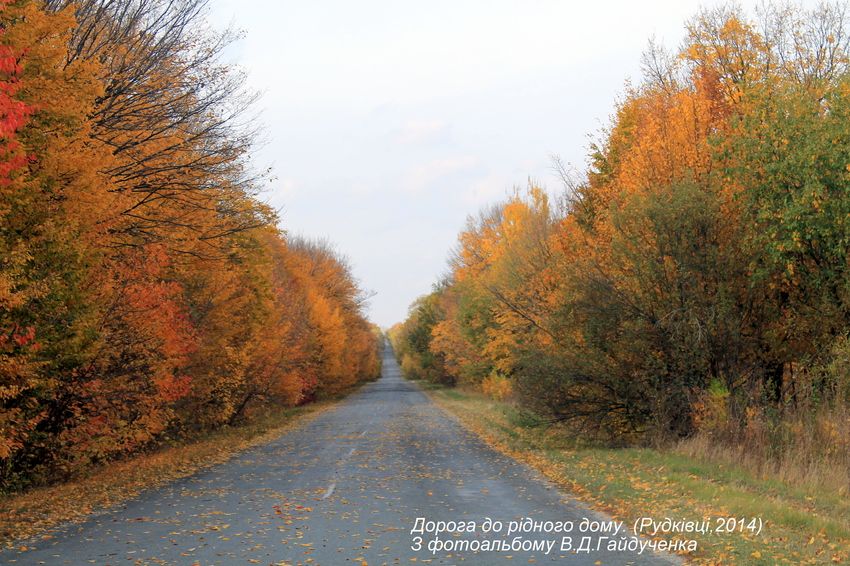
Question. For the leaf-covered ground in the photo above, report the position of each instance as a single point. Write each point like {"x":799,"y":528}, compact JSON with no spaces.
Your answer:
{"x":794,"y":524}
{"x":28,"y":514}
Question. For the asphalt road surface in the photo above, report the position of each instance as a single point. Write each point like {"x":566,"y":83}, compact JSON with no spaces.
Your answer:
{"x":383,"y":478}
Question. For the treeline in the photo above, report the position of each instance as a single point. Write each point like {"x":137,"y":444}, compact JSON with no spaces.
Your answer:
{"x":145,"y":292}
{"x":696,"y":277}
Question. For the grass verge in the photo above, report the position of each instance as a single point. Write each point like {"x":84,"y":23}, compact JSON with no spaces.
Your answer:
{"x":35,"y":512}
{"x":769,"y":522}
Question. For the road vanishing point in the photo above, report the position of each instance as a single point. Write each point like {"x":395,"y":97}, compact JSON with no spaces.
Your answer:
{"x":385,"y":477}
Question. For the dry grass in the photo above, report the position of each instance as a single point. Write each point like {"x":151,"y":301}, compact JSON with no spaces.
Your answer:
{"x":803,"y":524}
{"x":801,"y":445}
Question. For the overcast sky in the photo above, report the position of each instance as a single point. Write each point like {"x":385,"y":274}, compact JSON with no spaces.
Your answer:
{"x":390,"y":121}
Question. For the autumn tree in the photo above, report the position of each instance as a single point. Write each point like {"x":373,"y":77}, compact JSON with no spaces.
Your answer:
{"x":490,"y":311}
{"x":144,"y":289}
{"x":55,"y":207}
{"x":18,"y":371}
{"x":340,"y":342}
{"x":414,"y":346}
{"x":178,"y":121}
{"x":704,"y":250}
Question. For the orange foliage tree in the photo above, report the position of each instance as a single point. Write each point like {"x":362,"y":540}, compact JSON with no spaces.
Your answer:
{"x":704,"y":250}
{"x":144,"y":289}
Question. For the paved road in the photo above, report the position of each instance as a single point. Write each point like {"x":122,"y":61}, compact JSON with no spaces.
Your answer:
{"x":349,"y":487}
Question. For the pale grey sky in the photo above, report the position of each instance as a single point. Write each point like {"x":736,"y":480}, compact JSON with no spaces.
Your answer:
{"x":390,"y":121}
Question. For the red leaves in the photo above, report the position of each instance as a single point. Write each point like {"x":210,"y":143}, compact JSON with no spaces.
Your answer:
{"x":19,"y":336}
{"x":13,"y":113}
{"x":174,"y":387}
